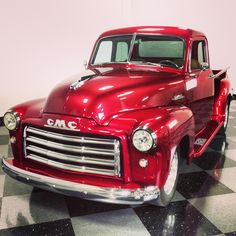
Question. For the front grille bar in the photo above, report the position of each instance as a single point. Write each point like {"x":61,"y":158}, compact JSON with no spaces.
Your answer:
{"x":70,"y":138}
{"x":64,"y":166}
{"x":73,"y":151}
{"x":71,"y":148}
{"x":71,"y":158}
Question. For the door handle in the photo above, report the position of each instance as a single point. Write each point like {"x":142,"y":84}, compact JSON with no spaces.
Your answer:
{"x":211,"y":76}
{"x":178,"y":97}
{"x":193,"y":76}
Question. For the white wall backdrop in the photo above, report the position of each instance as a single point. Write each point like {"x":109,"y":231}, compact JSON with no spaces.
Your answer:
{"x":44,"y":41}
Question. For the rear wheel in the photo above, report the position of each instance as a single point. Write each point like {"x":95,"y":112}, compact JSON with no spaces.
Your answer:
{"x":168,"y":190}
{"x":224,"y":127}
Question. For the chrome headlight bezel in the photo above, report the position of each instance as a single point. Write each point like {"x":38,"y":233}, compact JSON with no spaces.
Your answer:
{"x":16,"y":122}
{"x":149,"y":134}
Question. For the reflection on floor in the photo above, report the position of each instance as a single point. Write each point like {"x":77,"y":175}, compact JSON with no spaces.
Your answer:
{"x":205,"y":203}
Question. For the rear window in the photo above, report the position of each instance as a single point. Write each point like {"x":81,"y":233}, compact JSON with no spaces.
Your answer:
{"x":162,"y":48}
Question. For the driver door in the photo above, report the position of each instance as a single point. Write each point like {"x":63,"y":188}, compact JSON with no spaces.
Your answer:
{"x":200,"y":87}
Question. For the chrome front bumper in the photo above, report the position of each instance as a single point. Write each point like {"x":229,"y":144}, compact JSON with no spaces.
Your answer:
{"x":90,"y":192}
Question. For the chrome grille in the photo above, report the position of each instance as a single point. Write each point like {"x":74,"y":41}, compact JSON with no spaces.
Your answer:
{"x":77,"y":153}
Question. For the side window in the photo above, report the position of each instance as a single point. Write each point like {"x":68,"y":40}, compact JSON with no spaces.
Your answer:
{"x":122,"y":51}
{"x":104,"y":52}
{"x":198,"y":54}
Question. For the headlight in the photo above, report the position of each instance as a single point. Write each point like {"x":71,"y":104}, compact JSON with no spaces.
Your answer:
{"x":11,"y":120}
{"x":143,"y":140}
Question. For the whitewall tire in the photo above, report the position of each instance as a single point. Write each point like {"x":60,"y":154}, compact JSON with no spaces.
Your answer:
{"x":168,"y":190}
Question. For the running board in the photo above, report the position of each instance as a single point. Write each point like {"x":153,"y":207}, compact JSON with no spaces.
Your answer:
{"x":205,"y":136}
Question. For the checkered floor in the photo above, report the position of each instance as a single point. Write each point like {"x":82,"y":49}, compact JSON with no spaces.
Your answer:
{"x":205,"y":203}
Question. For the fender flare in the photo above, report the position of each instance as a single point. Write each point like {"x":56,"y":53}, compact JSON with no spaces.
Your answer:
{"x":170,"y":124}
{"x":179,"y":125}
{"x":32,"y":108}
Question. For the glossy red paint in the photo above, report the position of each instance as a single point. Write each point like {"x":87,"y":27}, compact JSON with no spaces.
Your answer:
{"x":165,"y":30}
{"x":122,"y":97}
{"x":116,"y":91}
{"x":221,"y":100}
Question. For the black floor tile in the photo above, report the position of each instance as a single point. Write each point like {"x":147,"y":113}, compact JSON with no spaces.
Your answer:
{"x":80,"y":207}
{"x":231,"y":234}
{"x":219,"y":143}
{"x":200,"y":184}
{"x":1,"y":122}
{"x":59,"y":227}
{"x":214,"y":160}
{"x":178,"y":218}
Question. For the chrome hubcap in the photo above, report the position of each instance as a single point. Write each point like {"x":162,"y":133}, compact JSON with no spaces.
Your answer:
{"x":170,"y":182}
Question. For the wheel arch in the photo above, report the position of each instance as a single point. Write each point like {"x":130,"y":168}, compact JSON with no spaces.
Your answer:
{"x":184,"y":146}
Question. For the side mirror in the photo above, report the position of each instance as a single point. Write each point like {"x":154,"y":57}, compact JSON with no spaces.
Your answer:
{"x":204,"y":66}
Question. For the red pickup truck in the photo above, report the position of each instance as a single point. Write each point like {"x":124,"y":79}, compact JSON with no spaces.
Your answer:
{"x":118,"y":132}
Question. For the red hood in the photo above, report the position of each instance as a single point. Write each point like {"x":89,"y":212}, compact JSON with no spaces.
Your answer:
{"x":105,"y":95}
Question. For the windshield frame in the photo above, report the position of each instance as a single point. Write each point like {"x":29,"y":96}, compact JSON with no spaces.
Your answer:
{"x":134,"y":35}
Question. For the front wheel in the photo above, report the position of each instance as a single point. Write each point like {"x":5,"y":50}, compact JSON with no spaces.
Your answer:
{"x":168,"y":190}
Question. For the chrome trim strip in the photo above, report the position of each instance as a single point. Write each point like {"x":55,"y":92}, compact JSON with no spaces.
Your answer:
{"x":131,"y":47}
{"x":61,"y":128}
{"x":63,"y":166}
{"x":24,"y":142}
{"x":70,"y":138}
{"x":117,"y":157}
{"x":95,"y":193}
{"x":71,"y":158}
{"x":66,"y":147}
{"x":178,"y":97}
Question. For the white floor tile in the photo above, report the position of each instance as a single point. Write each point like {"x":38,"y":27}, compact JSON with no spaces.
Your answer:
{"x":3,"y":150}
{"x":218,"y":210}
{"x":32,"y":208}
{"x":225,"y":176}
{"x":115,"y":223}
{"x":3,"y":131}
{"x":2,"y":181}
{"x":230,"y":153}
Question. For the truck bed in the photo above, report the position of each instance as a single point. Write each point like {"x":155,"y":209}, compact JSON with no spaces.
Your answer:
{"x":218,"y":76}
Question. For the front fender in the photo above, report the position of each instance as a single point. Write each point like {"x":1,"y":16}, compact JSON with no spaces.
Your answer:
{"x":170,"y":124}
{"x":30,"y":109}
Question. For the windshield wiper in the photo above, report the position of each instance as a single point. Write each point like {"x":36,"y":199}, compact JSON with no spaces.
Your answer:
{"x":152,"y":63}
{"x":146,"y":62}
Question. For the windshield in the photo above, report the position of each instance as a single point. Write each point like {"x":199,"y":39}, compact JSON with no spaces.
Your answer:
{"x":150,"y":49}
{"x":112,"y":49}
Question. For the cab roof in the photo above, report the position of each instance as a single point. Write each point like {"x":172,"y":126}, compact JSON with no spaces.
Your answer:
{"x":166,"y":30}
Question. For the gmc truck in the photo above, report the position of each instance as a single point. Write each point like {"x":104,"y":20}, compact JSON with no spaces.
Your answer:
{"x":117,"y":133}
